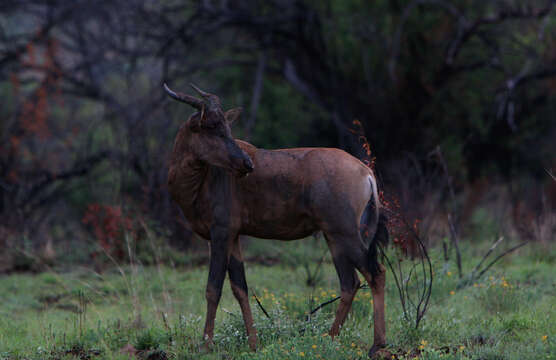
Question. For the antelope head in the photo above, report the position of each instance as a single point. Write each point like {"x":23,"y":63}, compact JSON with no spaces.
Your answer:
{"x":210,"y":137}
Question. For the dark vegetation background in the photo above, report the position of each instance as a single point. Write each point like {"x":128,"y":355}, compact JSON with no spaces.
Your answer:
{"x":457,"y":99}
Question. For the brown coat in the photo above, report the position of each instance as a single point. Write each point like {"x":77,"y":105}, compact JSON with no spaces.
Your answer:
{"x":228,"y":187}
{"x":288,"y":196}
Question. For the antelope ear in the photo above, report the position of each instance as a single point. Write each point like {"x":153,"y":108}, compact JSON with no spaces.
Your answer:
{"x":232,"y":114}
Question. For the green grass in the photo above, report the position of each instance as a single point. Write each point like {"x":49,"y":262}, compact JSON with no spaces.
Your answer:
{"x":509,"y":314}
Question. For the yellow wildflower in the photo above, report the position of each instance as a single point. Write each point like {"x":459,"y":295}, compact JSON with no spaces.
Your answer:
{"x":359,"y":353}
{"x":544,"y":337}
{"x":301,"y":353}
{"x":462,"y":347}
{"x":352,"y":344}
{"x":449,"y":273}
{"x":314,"y":346}
{"x":452,"y":292}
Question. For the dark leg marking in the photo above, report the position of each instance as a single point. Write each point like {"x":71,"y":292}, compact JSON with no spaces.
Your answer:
{"x":217,"y":272}
{"x":238,"y":283}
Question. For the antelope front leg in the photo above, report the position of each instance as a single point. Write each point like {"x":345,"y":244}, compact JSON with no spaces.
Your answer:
{"x":239,"y":288}
{"x":219,"y":257}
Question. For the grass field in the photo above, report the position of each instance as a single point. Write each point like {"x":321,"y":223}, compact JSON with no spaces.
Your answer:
{"x":158,"y":312}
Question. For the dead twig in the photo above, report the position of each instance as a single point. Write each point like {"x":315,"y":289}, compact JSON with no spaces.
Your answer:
{"x":486,"y":255}
{"x":328,"y":302}
{"x":455,"y":241}
{"x":313,"y":276}
{"x":322,"y":305}
{"x":261,"y":305}
{"x":476,"y":274}
{"x":500,"y":257}
{"x":420,"y":306}
{"x":453,"y":212}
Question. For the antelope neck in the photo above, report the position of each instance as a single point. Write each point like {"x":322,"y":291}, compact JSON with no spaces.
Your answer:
{"x":186,"y":184}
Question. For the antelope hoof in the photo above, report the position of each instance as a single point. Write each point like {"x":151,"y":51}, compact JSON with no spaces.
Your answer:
{"x":252,"y":340}
{"x":333,"y":333}
{"x":375,"y":349}
{"x":207,"y":346}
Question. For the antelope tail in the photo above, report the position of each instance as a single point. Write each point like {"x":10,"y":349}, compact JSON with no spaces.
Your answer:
{"x":376,"y":235}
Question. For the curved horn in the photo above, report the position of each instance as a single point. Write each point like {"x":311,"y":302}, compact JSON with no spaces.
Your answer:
{"x":201,"y":92}
{"x":188,"y":99}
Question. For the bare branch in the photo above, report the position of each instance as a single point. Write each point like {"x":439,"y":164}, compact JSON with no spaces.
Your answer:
{"x":261,"y":305}
{"x":405,"y":15}
{"x":80,"y":168}
{"x":486,"y":255}
{"x":500,"y":257}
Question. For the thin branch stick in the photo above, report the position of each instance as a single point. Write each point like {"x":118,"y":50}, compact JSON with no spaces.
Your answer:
{"x":451,"y":222}
{"x":328,"y":302}
{"x":261,"y":305}
{"x":438,"y":152}
{"x":501,"y":256}
{"x":225,"y":310}
{"x":486,"y":255}
{"x":407,"y":286}
{"x":427,"y":289}
{"x":316,"y":273}
{"x":398,"y":286}
{"x":455,"y":240}
{"x":324,"y":304}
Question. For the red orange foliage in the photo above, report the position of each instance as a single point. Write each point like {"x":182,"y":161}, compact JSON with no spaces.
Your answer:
{"x":109,"y":226}
{"x":39,"y":60}
{"x":360,"y":133}
{"x":33,"y":118}
{"x":401,"y":233}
